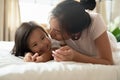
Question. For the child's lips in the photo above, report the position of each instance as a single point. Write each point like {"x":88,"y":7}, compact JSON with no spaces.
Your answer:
{"x":45,"y":50}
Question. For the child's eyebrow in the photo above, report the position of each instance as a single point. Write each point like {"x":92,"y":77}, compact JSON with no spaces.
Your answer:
{"x":32,"y":43}
{"x":42,"y":35}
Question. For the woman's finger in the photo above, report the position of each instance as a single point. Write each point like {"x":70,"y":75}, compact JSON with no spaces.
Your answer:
{"x":65,"y":48}
{"x":62,"y":52}
{"x":58,"y":56}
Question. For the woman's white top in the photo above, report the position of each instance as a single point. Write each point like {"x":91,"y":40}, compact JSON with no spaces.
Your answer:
{"x":85,"y":44}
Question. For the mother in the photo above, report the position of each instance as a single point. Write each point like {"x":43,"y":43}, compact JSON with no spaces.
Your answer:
{"x":84,"y":32}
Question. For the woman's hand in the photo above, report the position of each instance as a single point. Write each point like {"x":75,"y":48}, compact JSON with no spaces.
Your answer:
{"x":64,"y":54}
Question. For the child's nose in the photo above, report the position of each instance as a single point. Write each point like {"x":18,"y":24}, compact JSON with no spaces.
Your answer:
{"x":42,"y":46}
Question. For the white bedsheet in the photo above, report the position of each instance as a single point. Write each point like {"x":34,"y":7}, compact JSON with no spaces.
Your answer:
{"x":13,"y":68}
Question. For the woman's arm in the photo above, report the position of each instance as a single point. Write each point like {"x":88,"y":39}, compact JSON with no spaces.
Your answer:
{"x":105,"y":53}
{"x":103,"y":45}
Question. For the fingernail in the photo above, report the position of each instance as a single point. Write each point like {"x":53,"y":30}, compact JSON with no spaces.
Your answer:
{"x":53,"y":51}
{"x":53,"y":55}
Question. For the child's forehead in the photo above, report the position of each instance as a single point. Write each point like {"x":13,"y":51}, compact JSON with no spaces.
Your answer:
{"x":39,"y":29}
{"x":36,"y":33}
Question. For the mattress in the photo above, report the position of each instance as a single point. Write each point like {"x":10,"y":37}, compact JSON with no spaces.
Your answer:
{"x":14,"y":68}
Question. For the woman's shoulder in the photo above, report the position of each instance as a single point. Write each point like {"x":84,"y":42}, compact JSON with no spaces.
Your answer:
{"x":97,"y":26}
{"x":93,"y":14}
{"x":95,"y":17}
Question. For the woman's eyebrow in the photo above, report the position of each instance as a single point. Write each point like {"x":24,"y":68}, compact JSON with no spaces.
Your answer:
{"x":56,"y":30}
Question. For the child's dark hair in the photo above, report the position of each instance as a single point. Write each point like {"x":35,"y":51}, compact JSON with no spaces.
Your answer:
{"x":71,"y":16}
{"x":21,"y":37}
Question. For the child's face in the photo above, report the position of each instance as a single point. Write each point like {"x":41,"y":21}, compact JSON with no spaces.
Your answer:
{"x":39,"y":42}
{"x":55,"y":30}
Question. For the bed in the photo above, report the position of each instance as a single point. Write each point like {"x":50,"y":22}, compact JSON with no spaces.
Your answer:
{"x":14,"y":68}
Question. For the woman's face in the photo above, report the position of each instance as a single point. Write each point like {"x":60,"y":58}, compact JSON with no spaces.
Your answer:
{"x":39,"y":42}
{"x":55,"y":30}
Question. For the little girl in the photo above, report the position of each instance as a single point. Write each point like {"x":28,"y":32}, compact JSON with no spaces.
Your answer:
{"x":33,"y":43}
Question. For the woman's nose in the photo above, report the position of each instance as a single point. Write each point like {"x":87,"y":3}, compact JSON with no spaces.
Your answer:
{"x":52,"y":34}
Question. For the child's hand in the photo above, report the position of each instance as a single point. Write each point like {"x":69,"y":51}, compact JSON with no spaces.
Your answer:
{"x":34,"y":57}
{"x":44,"y":57}
{"x":28,"y":57}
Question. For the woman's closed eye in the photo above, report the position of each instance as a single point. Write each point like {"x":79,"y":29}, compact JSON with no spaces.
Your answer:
{"x":57,"y":31}
{"x":54,"y":31}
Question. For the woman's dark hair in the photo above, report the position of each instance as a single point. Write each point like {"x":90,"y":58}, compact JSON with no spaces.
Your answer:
{"x":88,"y":4}
{"x":71,"y":16}
{"x":21,"y":38}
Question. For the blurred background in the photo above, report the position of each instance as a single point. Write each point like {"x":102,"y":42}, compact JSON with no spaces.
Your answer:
{"x":14,"y":12}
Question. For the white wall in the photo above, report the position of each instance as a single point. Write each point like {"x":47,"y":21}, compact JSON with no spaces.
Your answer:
{"x":115,"y":8}
{"x":1,"y":17}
